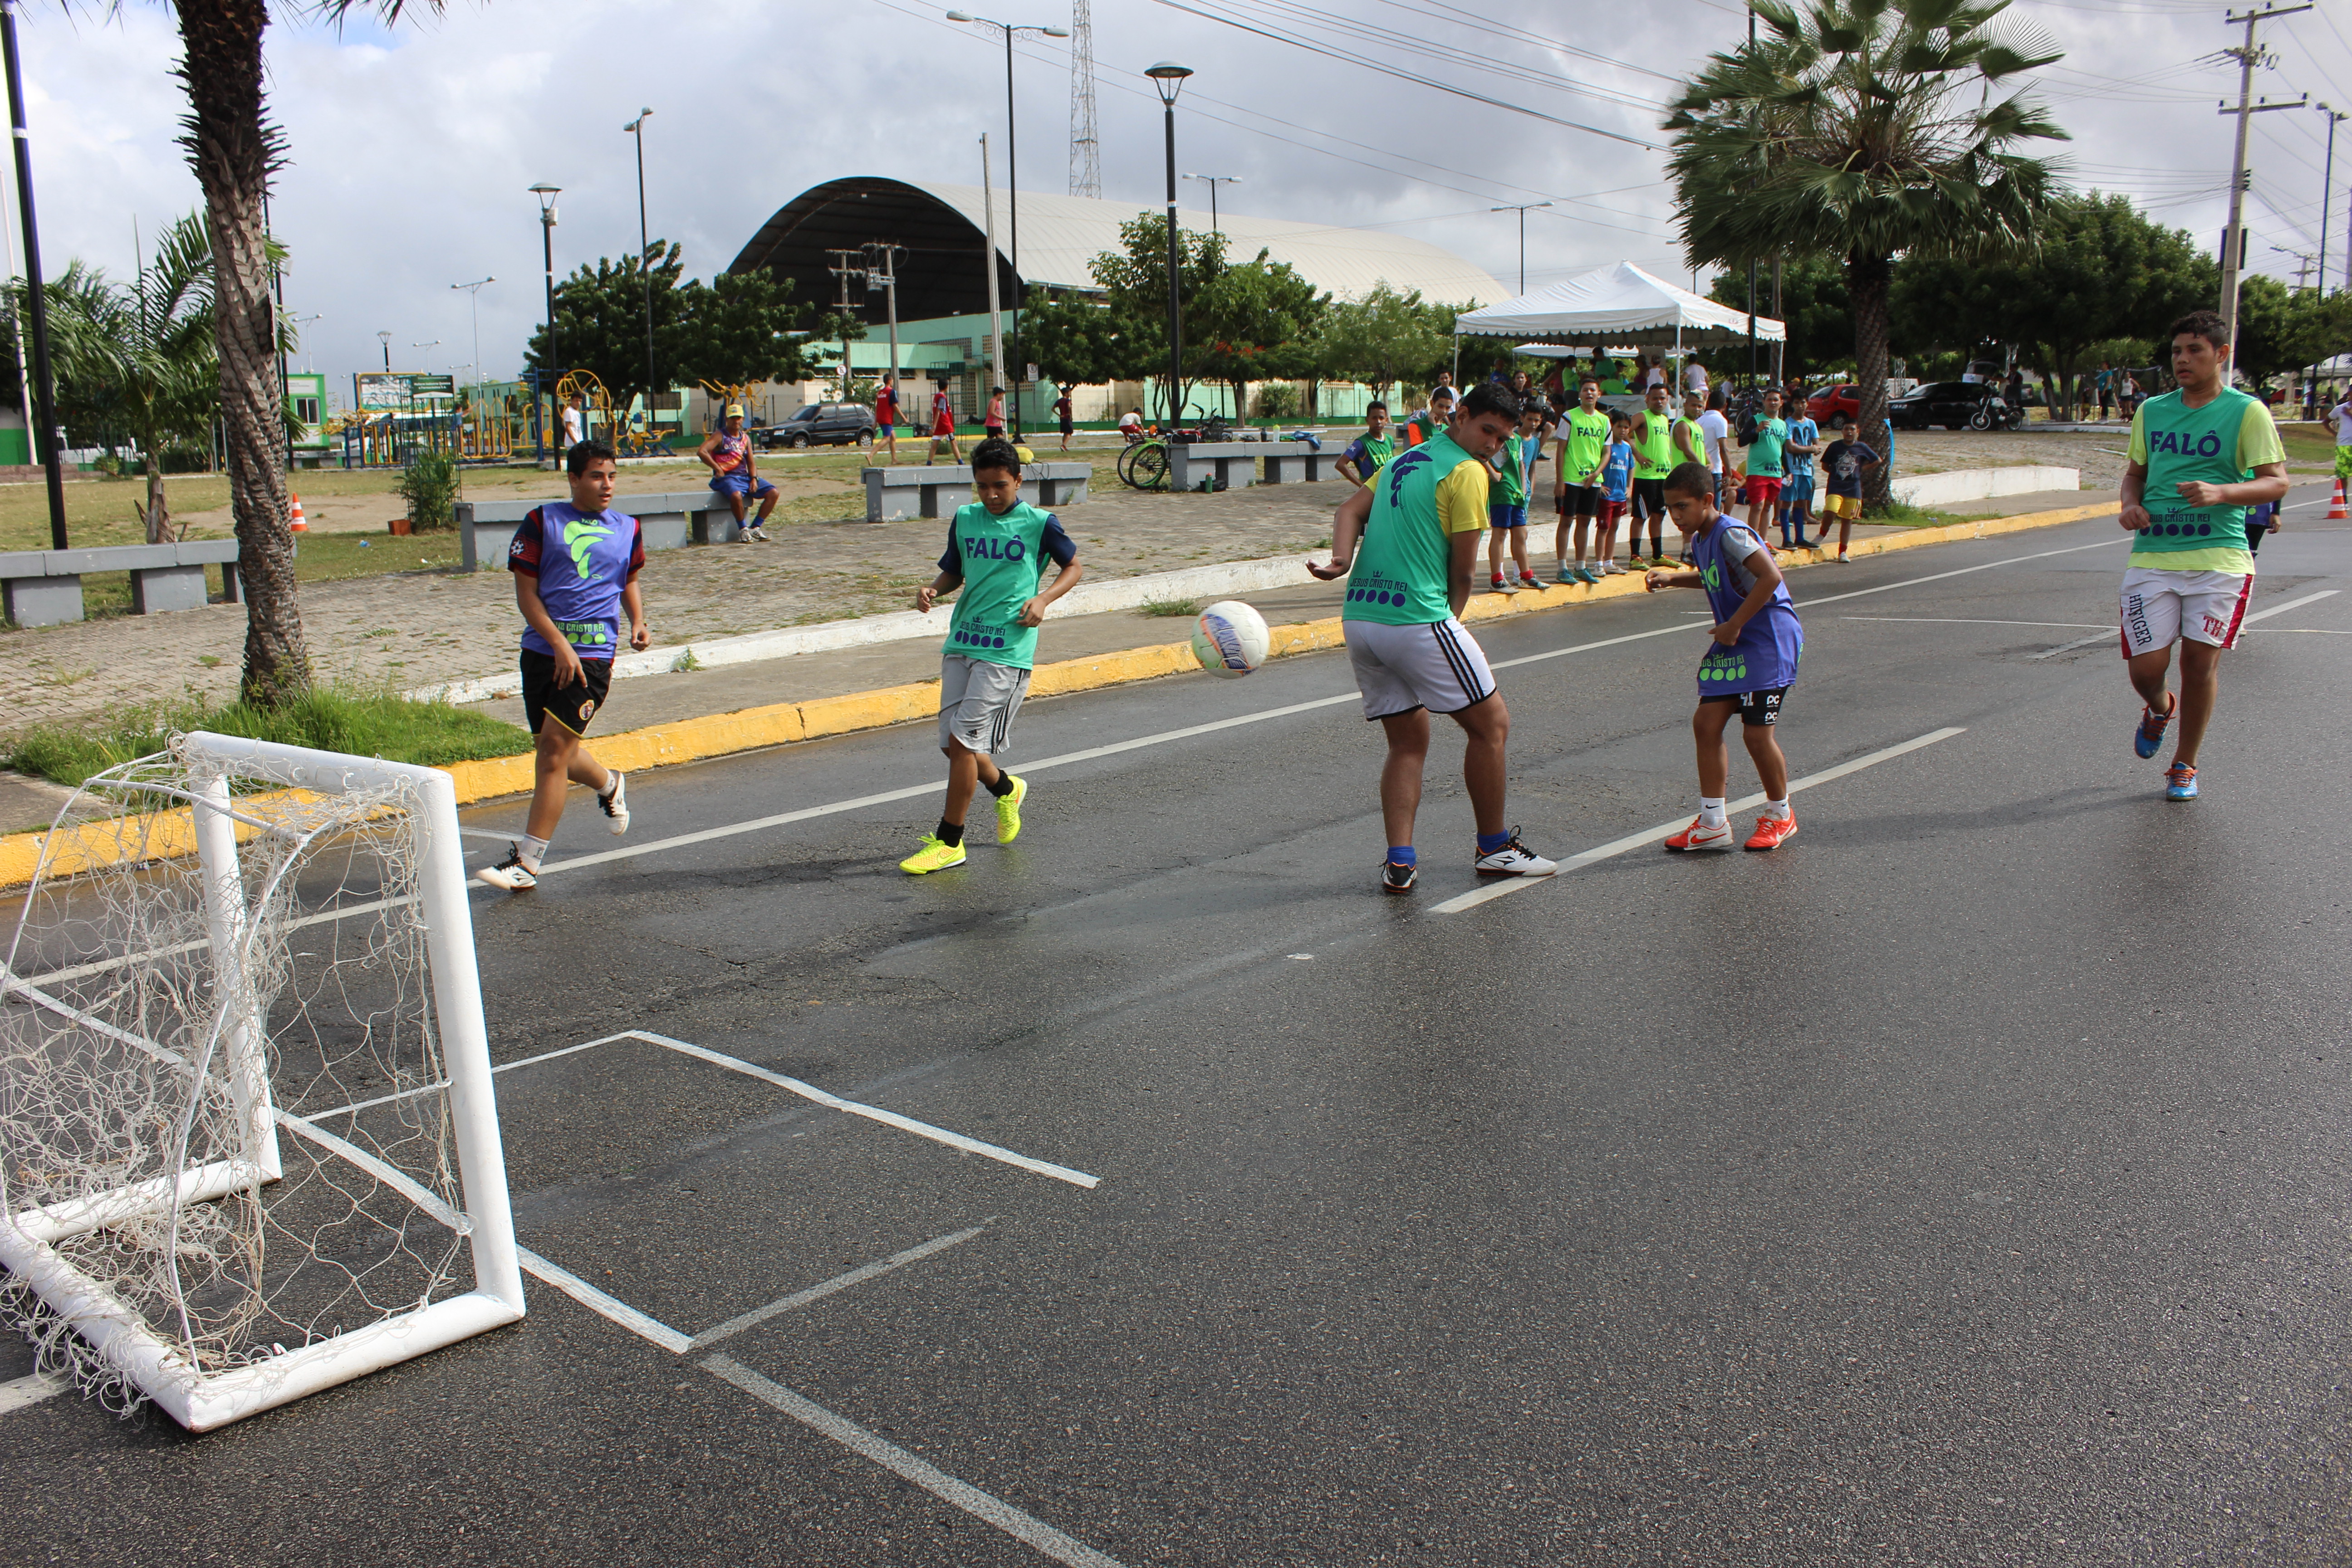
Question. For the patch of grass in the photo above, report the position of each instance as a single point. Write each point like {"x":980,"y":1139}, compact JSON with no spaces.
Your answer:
{"x":1902,"y":514}
{"x":330,"y":719}
{"x":1171,"y":607}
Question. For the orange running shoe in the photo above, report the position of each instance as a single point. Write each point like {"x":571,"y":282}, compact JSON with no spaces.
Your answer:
{"x":1698,"y":836}
{"x":1771,"y":832}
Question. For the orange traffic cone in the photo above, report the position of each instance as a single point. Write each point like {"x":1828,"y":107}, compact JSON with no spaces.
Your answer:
{"x":302,"y":527}
{"x":2335,"y":513}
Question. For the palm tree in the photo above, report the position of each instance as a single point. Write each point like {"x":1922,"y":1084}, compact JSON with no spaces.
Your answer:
{"x":234,"y":149}
{"x":139,"y":358}
{"x":1864,"y":130}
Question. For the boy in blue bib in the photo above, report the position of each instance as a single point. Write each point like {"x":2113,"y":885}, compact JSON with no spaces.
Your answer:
{"x":1748,"y":667}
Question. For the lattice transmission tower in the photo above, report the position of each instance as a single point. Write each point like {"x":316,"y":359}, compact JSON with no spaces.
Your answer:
{"x":1085,"y":152}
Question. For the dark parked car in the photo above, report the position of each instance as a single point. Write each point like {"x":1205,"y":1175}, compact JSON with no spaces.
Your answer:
{"x":1947,"y":402}
{"x":820,"y":424}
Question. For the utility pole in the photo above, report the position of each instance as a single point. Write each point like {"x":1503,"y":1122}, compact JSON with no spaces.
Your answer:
{"x":2303,"y":264}
{"x":2247,"y":56}
{"x":36,"y":307}
{"x":843,"y":269}
{"x":995,"y":313}
{"x":885,"y":278}
{"x":1216,"y":180}
{"x":2326,"y":190}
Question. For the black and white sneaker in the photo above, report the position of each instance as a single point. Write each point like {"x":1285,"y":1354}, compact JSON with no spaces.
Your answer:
{"x":1515,"y":859}
{"x":1396,"y":878}
{"x":509,"y":873}
{"x":615,"y":806}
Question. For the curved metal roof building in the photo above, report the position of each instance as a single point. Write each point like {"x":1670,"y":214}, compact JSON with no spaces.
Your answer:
{"x":944,"y":229}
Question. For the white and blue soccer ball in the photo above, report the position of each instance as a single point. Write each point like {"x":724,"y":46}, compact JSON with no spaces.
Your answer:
{"x":1229,"y":638}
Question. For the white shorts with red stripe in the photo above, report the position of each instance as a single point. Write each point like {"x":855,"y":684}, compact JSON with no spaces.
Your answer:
{"x":2161,"y":607}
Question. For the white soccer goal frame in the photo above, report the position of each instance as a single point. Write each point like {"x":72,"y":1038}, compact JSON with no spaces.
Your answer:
{"x":118,"y":1332}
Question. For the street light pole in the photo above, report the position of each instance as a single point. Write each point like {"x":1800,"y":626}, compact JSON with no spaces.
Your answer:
{"x":385,"y":339}
{"x":637,"y":127}
{"x":1168,"y":77}
{"x":36,"y":301}
{"x":474,"y":297}
{"x":1012,"y":185}
{"x":1522,"y":209}
{"x":2326,"y":190}
{"x":547,"y":358}
{"x":1214,"y":182}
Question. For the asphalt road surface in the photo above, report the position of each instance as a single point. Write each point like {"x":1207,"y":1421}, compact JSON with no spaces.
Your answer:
{"x":1964,"y":1183}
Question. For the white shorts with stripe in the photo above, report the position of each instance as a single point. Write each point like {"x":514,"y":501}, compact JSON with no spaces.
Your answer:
{"x":977,"y":701}
{"x":2161,"y":607}
{"x":1435,"y":665}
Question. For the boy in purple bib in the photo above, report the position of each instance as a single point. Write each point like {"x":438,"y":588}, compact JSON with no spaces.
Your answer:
{"x":1748,"y":667}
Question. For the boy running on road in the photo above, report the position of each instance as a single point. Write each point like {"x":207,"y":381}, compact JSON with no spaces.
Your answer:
{"x":575,"y":570}
{"x":1369,"y":451}
{"x":1584,"y":444}
{"x":2200,"y":455}
{"x":734,"y":473}
{"x":997,"y":550}
{"x":1749,"y":670}
{"x":1407,"y":546}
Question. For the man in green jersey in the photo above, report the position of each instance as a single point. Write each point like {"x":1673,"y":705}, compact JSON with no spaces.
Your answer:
{"x":1418,"y":524}
{"x":1583,"y":442}
{"x":2199,"y":456}
{"x":1653,"y":459}
{"x":997,"y":550}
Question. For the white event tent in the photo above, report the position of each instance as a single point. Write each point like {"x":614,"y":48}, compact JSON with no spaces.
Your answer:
{"x":1619,"y":307}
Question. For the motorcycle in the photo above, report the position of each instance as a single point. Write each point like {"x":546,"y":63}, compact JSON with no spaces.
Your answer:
{"x":1997,"y":412}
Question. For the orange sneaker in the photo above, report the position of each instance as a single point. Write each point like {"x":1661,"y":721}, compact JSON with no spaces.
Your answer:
{"x":1698,"y":836}
{"x":1771,"y":832}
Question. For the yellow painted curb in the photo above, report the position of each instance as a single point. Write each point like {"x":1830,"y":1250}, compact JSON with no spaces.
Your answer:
{"x":723,"y":735}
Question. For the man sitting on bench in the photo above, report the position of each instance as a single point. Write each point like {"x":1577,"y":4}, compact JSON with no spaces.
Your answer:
{"x":734,"y":474}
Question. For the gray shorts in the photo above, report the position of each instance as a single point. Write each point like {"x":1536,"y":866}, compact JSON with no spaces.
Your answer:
{"x":978,"y":700}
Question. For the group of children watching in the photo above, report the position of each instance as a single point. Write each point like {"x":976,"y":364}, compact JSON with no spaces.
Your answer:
{"x":1610,"y":463}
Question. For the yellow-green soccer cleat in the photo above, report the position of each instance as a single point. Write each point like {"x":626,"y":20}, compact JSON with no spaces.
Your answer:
{"x":1008,"y":810}
{"x":934,"y":855}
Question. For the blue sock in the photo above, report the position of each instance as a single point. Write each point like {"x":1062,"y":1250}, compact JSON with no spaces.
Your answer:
{"x":1490,"y":842}
{"x":1402,"y":855}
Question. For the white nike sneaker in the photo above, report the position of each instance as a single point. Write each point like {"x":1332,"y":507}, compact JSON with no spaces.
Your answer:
{"x":510,"y":873}
{"x":615,"y":806}
{"x":1514,"y":859}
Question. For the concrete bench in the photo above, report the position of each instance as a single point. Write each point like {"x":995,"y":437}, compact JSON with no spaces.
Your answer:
{"x":1234,"y":464}
{"x":1296,"y":462}
{"x":670,"y":521}
{"x":893,"y":495}
{"x":43,"y":587}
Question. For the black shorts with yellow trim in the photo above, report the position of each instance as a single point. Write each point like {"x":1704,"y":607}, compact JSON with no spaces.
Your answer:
{"x":570,"y":706}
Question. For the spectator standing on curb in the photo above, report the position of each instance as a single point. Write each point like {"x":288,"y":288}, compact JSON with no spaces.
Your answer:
{"x":1842,"y":464}
{"x":1716,"y":430}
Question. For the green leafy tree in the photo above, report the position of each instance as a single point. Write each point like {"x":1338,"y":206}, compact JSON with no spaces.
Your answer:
{"x":737,"y":328}
{"x":1253,"y":322}
{"x":1813,"y":305}
{"x":1863,"y":130}
{"x":2101,"y":272}
{"x":2282,"y":330}
{"x":1384,"y":338}
{"x":1074,"y":340}
{"x":1134,"y":280}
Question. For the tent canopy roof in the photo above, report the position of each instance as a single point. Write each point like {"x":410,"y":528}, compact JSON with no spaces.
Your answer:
{"x":1619,"y":305}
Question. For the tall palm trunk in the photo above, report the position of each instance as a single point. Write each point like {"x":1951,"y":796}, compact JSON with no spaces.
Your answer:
{"x":1867,"y":281}
{"x":234,"y":151}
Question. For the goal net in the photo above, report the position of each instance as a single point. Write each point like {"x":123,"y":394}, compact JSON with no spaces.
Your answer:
{"x":248,"y":1142}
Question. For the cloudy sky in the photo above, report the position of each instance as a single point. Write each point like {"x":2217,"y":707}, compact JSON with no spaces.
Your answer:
{"x":411,"y":149}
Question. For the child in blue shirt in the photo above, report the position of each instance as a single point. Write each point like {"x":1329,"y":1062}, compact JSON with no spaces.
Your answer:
{"x":1613,"y":476}
{"x":1797,"y":493}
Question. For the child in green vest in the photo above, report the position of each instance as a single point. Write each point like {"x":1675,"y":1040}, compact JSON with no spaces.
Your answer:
{"x":1508,"y":508}
{"x":996,"y":553}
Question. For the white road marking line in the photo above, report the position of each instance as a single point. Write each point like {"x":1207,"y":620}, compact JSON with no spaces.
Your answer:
{"x":2250,"y":620}
{"x":444,"y":1083}
{"x":2316,"y":631}
{"x":18,"y":1394}
{"x":887,"y":1118}
{"x":596,"y":1300}
{"x":1963,"y":621}
{"x":1025,"y":1528}
{"x":912,"y":792}
{"x":759,"y":1315}
{"x":1477,"y":895}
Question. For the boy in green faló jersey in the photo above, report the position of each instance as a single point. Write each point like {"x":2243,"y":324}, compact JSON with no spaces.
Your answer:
{"x":996,"y":553}
{"x":2199,"y":456}
{"x":1583,"y":443}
